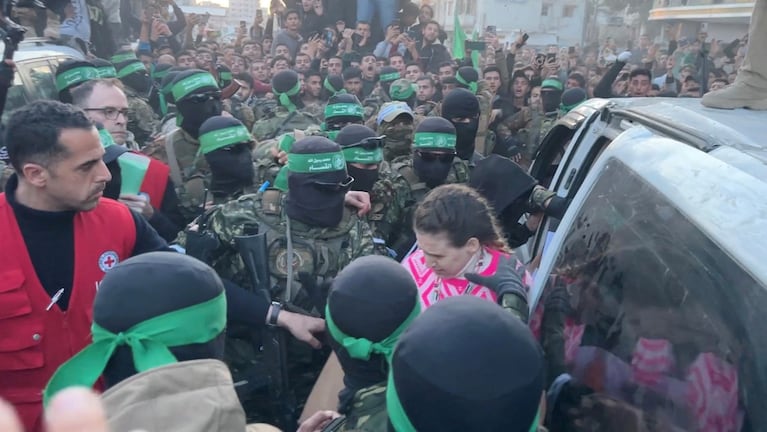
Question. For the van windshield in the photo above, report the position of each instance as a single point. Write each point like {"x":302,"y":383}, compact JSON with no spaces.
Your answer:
{"x":657,"y":326}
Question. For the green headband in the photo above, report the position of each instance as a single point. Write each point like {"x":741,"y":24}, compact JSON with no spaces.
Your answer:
{"x":401,"y":422}
{"x":344,"y":109}
{"x":159,"y":75}
{"x":392,"y":76}
{"x":106,"y":72}
{"x":435,"y":140}
{"x":225,"y":76}
{"x":471,"y":85}
{"x":220,"y":138}
{"x":402,"y":95}
{"x":189,"y":84}
{"x":329,"y":87}
{"x":552,"y":83}
{"x":567,"y":108}
{"x":78,"y":75}
{"x":131,"y":68}
{"x":285,"y":96}
{"x":362,"y":156}
{"x":148,"y":340}
{"x":316,"y":163}
{"x":106,"y":138}
{"x":361,"y":348}
{"x":119,"y":58}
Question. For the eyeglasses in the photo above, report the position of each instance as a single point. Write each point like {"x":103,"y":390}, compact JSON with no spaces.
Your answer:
{"x":431,"y":157}
{"x":369,"y":144}
{"x":110,"y":113}
{"x":335,"y":187}
{"x":204,"y":97}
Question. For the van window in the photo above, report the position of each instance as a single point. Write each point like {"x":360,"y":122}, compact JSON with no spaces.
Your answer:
{"x":16,"y":98}
{"x":550,"y":154}
{"x":42,"y":82}
{"x":657,"y":326}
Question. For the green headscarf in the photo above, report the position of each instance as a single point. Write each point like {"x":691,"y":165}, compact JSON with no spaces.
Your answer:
{"x":285,"y":97}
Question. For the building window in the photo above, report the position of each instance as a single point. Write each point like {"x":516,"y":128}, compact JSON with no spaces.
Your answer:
{"x":545,"y":9}
{"x":568,"y":11}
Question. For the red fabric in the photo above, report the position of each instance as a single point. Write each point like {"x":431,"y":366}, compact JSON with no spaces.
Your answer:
{"x":35,"y":342}
{"x":155,"y":181}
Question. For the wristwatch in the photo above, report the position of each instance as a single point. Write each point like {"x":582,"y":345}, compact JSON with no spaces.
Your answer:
{"x":275,"y":312}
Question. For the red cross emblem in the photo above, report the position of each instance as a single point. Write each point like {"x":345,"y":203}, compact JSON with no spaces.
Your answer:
{"x":107,"y":260}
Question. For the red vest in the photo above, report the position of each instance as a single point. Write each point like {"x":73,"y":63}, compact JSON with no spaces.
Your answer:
{"x":35,"y":342}
{"x":155,"y":181}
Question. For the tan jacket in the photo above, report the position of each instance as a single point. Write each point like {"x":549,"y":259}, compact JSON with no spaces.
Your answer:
{"x":191,"y":396}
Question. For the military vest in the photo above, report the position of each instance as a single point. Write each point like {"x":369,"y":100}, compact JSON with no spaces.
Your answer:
{"x":367,"y":412}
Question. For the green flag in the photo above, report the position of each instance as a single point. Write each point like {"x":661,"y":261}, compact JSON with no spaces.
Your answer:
{"x":459,"y":40}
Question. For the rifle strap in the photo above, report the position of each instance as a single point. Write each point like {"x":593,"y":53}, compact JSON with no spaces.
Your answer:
{"x":170,"y":151}
{"x":289,"y":262}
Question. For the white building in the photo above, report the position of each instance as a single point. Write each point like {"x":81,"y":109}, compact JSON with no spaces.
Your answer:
{"x":242,"y":10}
{"x":546,"y":21}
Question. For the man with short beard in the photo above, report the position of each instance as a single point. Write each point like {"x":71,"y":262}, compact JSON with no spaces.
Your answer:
{"x":431,"y":53}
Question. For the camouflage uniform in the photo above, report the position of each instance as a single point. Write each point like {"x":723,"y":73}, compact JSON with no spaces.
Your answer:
{"x":193,"y":171}
{"x":316,"y":109}
{"x":262,"y":107}
{"x":388,"y":206}
{"x":485,"y":108}
{"x":318,"y":255}
{"x":280,"y":121}
{"x":241,"y":111}
{"x":372,"y":105}
{"x":142,"y":121}
{"x":367,"y":411}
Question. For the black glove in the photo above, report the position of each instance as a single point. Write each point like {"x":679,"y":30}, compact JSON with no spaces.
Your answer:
{"x":6,"y":74}
{"x":508,"y":286}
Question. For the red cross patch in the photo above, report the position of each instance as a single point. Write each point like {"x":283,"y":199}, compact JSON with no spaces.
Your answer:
{"x":107,"y":260}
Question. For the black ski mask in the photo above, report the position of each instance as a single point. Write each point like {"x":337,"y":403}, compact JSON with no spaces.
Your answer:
{"x":551,"y":99}
{"x":133,"y":74}
{"x":364,"y":179}
{"x":364,"y":148}
{"x":197,"y":97}
{"x":317,"y":182}
{"x":231,"y":170}
{"x":434,"y":145}
{"x":463,"y":104}
{"x":432,"y":168}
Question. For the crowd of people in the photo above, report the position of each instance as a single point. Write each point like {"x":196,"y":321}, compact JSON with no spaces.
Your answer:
{"x":345,"y":180}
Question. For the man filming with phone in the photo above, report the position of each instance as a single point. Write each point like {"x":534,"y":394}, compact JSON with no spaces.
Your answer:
{"x":431,"y":53}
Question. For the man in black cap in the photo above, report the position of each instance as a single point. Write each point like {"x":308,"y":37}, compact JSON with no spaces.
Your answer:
{"x":226,"y":144}
{"x":289,"y":114}
{"x":432,"y":162}
{"x":197,"y":98}
{"x":143,"y":122}
{"x":364,"y":330}
{"x":426,"y":393}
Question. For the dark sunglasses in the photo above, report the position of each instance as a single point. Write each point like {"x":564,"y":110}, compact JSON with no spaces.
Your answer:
{"x":335,"y":187}
{"x":370,"y":144}
{"x":200,"y":98}
{"x":431,"y":157}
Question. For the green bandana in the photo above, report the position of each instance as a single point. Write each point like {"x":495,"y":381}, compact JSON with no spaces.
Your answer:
{"x":131,"y":68}
{"x":285,"y":97}
{"x":286,"y":142}
{"x":552,"y":83}
{"x":401,"y":94}
{"x":329,"y":87}
{"x":189,"y":84}
{"x":434,"y":140}
{"x":119,"y":58}
{"x":389,"y":77}
{"x":159,"y":75}
{"x":133,"y":168}
{"x":361,"y":348}
{"x":281,"y":180}
{"x":148,"y":340}
{"x":106,"y":138}
{"x":316,"y":163}
{"x":106,"y":72}
{"x":362,"y":156}
{"x":344,"y":110}
{"x":74,"y":76}
{"x":472,"y":86}
{"x":401,"y":422}
{"x":217,"y":139}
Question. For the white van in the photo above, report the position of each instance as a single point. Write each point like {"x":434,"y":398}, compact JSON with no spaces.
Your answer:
{"x":652,"y":290}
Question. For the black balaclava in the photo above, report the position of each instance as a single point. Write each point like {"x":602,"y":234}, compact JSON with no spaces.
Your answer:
{"x":571,"y":98}
{"x":461,"y":103}
{"x":225,"y":142}
{"x":370,"y":298}
{"x":316,"y":175}
{"x":433,"y":172}
{"x":144,"y":287}
{"x":446,"y":368}
{"x":188,"y":89}
{"x":287,"y":89}
{"x":133,"y":74}
{"x":551,"y":95}
{"x":364,"y":179}
{"x":506,"y":186}
{"x":72,"y":73}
